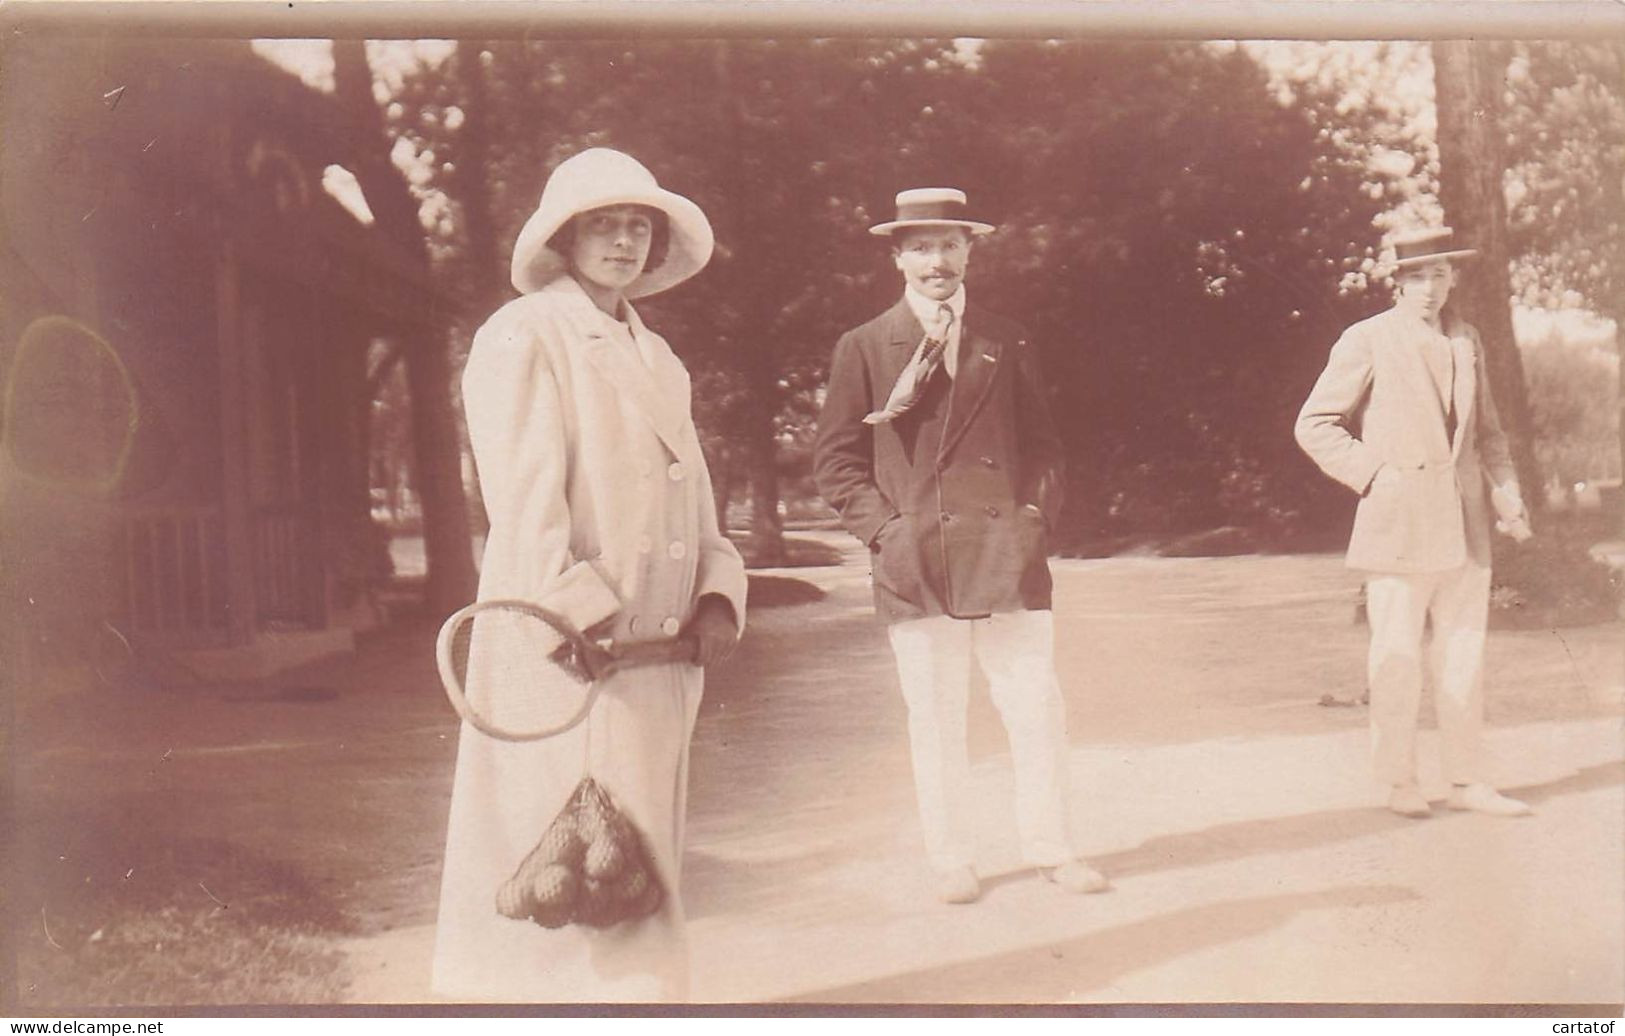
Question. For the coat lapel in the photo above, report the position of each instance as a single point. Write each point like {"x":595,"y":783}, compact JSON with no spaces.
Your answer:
{"x":1404,"y":332}
{"x":980,"y":358}
{"x":617,"y":362}
{"x":1465,"y":387}
{"x":902,"y":336}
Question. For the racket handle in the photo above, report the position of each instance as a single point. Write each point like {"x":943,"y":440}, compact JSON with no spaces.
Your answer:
{"x":625,"y":654}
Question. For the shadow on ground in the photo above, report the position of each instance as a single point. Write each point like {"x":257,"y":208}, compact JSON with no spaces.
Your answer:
{"x":1269,"y":836}
{"x":1066,"y":971}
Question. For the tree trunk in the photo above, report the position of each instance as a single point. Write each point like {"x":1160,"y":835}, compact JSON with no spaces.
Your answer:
{"x":762,"y":467}
{"x":1468,"y":83}
{"x":764,"y":396}
{"x":447,"y":544}
{"x":488,"y":271}
{"x":719,"y":461}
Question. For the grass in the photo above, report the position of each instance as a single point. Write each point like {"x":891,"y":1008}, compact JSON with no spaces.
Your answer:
{"x":133,"y":918}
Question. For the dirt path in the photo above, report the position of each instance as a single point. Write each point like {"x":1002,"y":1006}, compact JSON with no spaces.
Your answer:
{"x":1231,"y":810}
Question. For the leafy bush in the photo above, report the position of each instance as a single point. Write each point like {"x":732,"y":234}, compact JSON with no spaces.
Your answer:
{"x":1553,"y":580}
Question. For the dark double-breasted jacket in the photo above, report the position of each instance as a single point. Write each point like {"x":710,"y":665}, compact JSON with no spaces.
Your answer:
{"x":954,"y":497}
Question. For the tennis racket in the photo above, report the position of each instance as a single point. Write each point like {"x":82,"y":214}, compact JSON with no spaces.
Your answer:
{"x":520,"y":672}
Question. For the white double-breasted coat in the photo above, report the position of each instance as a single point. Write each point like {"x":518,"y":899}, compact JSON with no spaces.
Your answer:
{"x":600,"y":505}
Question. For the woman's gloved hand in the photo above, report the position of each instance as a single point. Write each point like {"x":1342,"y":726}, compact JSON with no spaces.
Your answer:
{"x":714,"y":628}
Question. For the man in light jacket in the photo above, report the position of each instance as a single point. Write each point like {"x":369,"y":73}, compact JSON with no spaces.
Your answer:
{"x":935,"y":446}
{"x":1403,"y":416}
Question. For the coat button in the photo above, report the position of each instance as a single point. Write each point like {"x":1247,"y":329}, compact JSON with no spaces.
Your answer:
{"x":670,"y":626}
{"x":675,"y":472}
{"x":645,"y":544}
{"x":947,"y":516}
{"x":677,"y":550}
{"x":992,"y":512}
{"x":632,"y":624}
{"x":990,"y":462}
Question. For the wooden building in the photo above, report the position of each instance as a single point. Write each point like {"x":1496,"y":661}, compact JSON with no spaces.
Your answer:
{"x":185,"y":319}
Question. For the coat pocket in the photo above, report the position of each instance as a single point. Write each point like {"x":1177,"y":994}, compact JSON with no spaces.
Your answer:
{"x":1411,"y":521}
{"x":896,"y":562}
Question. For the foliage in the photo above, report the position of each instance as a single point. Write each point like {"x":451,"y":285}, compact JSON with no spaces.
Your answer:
{"x":1565,"y":121}
{"x":1180,"y":243}
{"x":1573,"y":395}
{"x":1183,"y":233}
{"x":1553,"y":580}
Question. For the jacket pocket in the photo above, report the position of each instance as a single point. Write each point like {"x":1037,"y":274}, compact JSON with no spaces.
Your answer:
{"x":896,"y":562}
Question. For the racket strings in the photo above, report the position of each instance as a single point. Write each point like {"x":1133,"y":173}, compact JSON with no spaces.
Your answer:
{"x":518,"y":674}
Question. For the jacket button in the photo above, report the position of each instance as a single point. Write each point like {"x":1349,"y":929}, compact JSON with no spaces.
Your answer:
{"x":947,"y":516}
{"x":670,"y":626}
{"x":677,"y":550}
{"x":633,"y":624}
{"x":992,"y":512}
{"x":675,"y":472}
{"x":990,"y":462}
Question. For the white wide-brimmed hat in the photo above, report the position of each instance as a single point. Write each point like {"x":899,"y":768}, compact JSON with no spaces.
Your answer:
{"x":931,"y":207}
{"x":600,"y":177}
{"x":1415,"y":247}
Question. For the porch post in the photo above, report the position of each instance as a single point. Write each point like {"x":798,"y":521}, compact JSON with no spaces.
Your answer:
{"x":236,"y":515}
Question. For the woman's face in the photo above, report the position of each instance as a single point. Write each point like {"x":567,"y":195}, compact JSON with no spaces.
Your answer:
{"x":611,"y":246}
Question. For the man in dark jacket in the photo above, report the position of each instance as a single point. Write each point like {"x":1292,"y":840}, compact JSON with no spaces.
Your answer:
{"x":936,"y":446}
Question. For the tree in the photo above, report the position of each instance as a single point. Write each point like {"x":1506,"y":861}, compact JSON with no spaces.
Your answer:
{"x":446,"y":539}
{"x":1183,"y":239}
{"x":1468,"y":78}
{"x":780,"y":175}
{"x":1565,"y":155}
{"x":1566,"y":159}
{"x":1187,"y":245}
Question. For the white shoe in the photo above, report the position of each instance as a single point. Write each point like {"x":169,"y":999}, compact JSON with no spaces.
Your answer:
{"x":958,"y":886}
{"x":1076,"y":877}
{"x":1407,"y":801}
{"x":1481,"y":798}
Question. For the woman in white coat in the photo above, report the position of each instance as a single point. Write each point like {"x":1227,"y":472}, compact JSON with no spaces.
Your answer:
{"x":600,"y":505}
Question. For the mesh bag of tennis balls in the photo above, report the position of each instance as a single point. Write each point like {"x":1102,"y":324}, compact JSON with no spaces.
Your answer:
{"x":590,"y":868}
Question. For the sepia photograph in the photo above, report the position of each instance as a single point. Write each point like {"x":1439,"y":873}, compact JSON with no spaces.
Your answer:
{"x":1083,"y":507}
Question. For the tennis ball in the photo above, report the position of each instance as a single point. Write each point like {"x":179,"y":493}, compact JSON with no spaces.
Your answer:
{"x":554,"y":884}
{"x":513,"y":899}
{"x":633,"y":885}
{"x":553,"y":915}
{"x":605,"y":859}
{"x":561,"y":844}
{"x":595,"y":906}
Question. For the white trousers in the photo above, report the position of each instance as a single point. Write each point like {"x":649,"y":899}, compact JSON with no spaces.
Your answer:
{"x":1016,"y":652}
{"x":1398,"y":607}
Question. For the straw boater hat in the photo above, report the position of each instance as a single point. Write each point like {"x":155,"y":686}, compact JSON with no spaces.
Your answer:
{"x":1415,"y":247}
{"x":592,"y":180}
{"x":931,"y":207}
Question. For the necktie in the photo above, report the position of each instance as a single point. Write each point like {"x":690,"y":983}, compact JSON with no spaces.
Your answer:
{"x":912,"y":381}
{"x":1441,"y":361}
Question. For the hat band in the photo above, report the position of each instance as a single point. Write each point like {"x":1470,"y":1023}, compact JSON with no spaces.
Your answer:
{"x":931,"y":211}
{"x":1409,"y":250}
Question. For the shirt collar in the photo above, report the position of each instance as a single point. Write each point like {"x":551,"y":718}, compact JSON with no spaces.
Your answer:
{"x":566,"y":285}
{"x":925,"y":310}
{"x":1409,"y":318}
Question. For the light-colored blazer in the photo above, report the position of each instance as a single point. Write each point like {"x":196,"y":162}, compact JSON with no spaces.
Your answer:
{"x":1375,"y":406}
{"x":597,"y":491}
